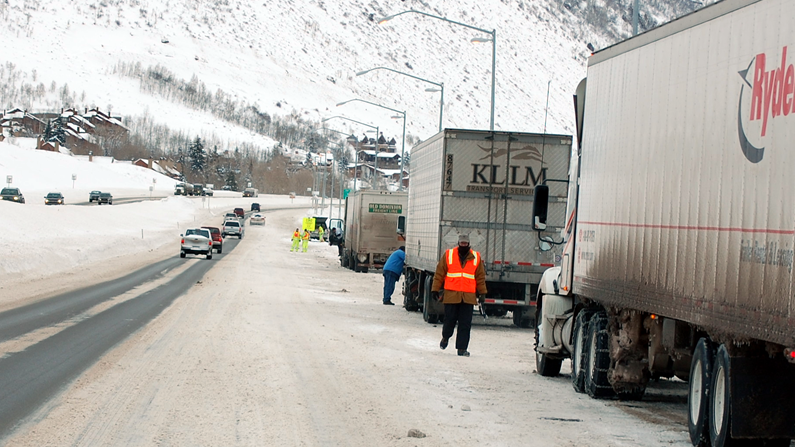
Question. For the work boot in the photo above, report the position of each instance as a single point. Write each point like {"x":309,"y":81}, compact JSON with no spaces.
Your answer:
{"x":388,"y":303}
{"x":463,"y":353}
{"x":443,"y":343}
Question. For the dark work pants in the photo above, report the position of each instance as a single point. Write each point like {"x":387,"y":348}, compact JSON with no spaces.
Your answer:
{"x":460,"y":313}
{"x":390,"y":278}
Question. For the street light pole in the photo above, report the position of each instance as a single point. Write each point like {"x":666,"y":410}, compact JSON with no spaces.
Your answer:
{"x":438,"y":84}
{"x":493,"y":40}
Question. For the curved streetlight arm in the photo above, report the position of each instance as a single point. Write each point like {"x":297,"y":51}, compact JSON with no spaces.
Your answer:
{"x":368,"y":102}
{"x":399,"y":72}
{"x":346,"y":118}
{"x":387,"y":18}
{"x":493,"y":50}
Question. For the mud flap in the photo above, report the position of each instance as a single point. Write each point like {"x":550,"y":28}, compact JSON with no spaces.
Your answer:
{"x":762,"y":397}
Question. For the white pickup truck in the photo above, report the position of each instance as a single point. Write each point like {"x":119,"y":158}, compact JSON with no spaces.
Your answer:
{"x":196,"y":241}
{"x":232,"y":228}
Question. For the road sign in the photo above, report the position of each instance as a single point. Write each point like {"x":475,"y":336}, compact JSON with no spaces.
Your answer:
{"x":345,"y":193}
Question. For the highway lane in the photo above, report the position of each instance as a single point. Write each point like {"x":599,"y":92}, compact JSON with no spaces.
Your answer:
{"x":29,"y":378}
{"x":32,"y":376}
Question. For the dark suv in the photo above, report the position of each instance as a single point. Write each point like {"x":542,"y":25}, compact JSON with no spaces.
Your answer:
{"x":255,"y":207}
{"x":93,"y":195}
{"x":12,"y":194}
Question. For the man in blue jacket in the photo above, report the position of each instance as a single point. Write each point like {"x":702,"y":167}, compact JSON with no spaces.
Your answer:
{"x":392,"y":271}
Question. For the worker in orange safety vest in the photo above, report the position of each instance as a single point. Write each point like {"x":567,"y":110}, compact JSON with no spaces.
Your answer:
{"x":296,"y":240}
{"x":305,"y":238}
{"x":462,"y":276}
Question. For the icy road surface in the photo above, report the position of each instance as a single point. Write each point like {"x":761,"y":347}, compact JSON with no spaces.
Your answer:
{"x":288,"y":349}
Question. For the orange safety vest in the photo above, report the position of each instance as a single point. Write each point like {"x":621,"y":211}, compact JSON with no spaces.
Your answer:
{"x":296,"y":235}
{"x":460,"y":279}
{"x":306,"y":236}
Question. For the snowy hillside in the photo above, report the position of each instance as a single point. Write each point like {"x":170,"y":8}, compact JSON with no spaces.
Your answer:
{"x":301,"y":57}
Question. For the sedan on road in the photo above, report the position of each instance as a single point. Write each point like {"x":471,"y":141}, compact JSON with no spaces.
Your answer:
{"x":54,"y":198}
{"x":105,"y":197}
{"x":257,"y":219}
{"x":196,"y":241}
{"x":93,"y":195}
{"x":12,"y":194}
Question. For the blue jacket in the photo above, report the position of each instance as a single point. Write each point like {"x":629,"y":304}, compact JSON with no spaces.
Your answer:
{"x":395,"y":262}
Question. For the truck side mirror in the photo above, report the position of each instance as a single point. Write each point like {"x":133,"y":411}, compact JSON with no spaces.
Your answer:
{"x":540,"y":207}
{"x":401,"y":225}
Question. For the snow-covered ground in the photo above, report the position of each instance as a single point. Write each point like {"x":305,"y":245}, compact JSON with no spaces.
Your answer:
{"x":41,"y":241}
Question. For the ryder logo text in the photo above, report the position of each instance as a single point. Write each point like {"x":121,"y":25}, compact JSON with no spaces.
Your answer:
{"x":770,"y":86}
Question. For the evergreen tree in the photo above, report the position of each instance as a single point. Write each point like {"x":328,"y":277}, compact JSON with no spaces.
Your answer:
{"x":231,"y":181}
{"x":48,"y":131}
{"x":55,"y":130}
{"x":197,"y":156}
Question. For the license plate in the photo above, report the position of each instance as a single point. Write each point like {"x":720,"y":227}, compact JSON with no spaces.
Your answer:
{"x":195,"y":247}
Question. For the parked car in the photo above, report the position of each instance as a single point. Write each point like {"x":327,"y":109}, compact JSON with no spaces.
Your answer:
{"x":196,"y":241}
{"x":218,"y":240}
{"x":105,"y":197}
{"x":232,"y":228}
{"x":54,"y":198}
{"x":208,"y":192}
{"x":12,"y":194}
{"x":240,"y":213}
{"x":255,"y":207}
{"x":227,"y":188}
{"x":93,"y":195}
{"x":257,"y":219}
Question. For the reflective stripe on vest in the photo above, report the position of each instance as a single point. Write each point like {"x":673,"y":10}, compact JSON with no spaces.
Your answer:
{"x":460,"y":279}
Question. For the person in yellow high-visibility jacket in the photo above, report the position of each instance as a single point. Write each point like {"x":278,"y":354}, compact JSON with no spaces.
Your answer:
{"x":305,"y":238}
{"x":296,"y":240}
{"x":320,"y":233}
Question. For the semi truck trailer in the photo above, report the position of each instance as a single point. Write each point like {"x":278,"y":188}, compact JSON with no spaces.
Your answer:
{"x":371,"y":222}
{"x":481,"y":183}
{"x":679,"y":241}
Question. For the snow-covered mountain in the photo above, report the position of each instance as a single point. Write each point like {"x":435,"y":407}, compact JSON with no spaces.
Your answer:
{"x":299,"y":58}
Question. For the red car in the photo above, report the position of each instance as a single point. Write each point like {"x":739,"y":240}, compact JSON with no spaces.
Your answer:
{"x":240,"y":213}
{"x":215,"y":235}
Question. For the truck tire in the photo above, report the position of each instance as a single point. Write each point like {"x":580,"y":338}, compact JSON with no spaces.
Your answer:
{"x":579,"y":340}
{"x":698,"y":394}
{"x":598,"y":358}
{"x":210,"y":255}
{"x":720,"y":401}
{"x":409,"y":303}
{"x":429,"y":317}
{"x":522,"y":318}
{"x":182,"y":254}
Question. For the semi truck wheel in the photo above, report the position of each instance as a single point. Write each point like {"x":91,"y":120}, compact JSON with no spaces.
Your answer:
{"x":598,"y":358}
{"x":698,"y":394}
{"x":720,"y":401}
{"x":578,"y":357}
{"x":522,"y":318}
{"x":430,"y":318}
{"x":409,"y":303}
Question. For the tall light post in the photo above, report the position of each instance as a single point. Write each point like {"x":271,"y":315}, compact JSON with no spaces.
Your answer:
{"x":438,"y":84}
{"x":333,"y":170}
{"x":492,"y":39}
{"x":403,"y":144}
{"x":356,"y":153}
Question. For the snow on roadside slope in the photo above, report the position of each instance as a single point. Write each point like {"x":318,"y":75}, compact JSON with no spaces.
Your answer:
{"x":41,"y":241}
